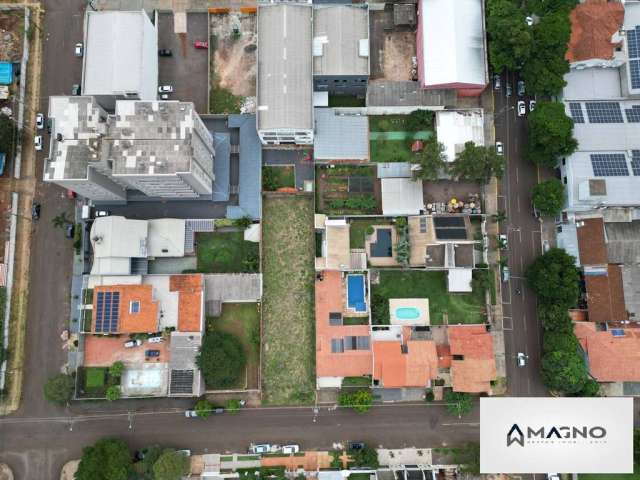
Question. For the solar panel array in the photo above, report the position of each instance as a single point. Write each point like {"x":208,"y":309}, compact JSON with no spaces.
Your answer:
{"x":576,"y":112}
{"x":633,"y":44}
{"x":635,"y":162}
{"x":617,"y":332}
{"x":633,"y":114}
{"x":609,"y":165}
{"x":107,"y":312}
{"x":604,"y":112}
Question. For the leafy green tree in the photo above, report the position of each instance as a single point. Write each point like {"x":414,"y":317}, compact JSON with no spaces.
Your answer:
{"x":550,"y":134}
{"x":232,"y":405}
{"x":360,"y":401}
{"x":419,"y":120}
{"x":172,"y":465}
{"x":113,"y":393}
{"x":7,"y":135}
{"x":203,"y":408}
{"x":59,"y":389}
{"x":554,"y":277}
{"x":108,"y":459}
{"x":458,"y":403}
{"x":548,"y":196}
{"x":243,"y":222}
{"x":510,"y":38}
{"x":591,"y":388}
{"x":564,"y":371}
{"x":116,"y":369}
{"x":555,"y":318}
{"x":364,"y":457}
{"x":468,"y":457}
{"x":477,"y":164}
{"x":150,"y":456}
{"x":559,"y":341}
{"x":432,"y":160}
{"x":221,"y":359}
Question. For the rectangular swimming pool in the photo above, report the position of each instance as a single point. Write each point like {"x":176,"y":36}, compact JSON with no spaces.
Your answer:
{"x":356,"y":293}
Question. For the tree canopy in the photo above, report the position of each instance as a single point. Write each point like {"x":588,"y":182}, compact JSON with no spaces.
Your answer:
{"x":564,"y":371}
{"x":113,"y":393}
{"x":221,"y":359}
{"x":477,"y":164}
{"x":432,"y":161}
{"x":364,"y":457}
{"x":458,"y":403}
{"x":468,"y":457}
{"x":172,"y":465}
{"x":550,"y":134}
{"x":203,"y":408}
{"x":548,"y":196}
{"x":554,"y":277}
{"x":555,"y":317}
{"x":554,"y":341}
{"x":510,"y":38}
{"x":360,"y":401}
{"x":59,"y":389}
{"x":7,"y":135}
{"x":108,"y":459}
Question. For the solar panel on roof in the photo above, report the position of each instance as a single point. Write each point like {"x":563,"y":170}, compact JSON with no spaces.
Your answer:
{"x":107,"y":312}
{"x":609,"y":165}
{"x":617,"y":332}
{"x":633,"y":114}
{"x":604,"y":112}
{"x":635,"y":162}
{"x":634,"y":70}
{"x":576,"y":112}
{"x":448,"y":222}
{"x":451,"y":233}
{"x":632,"y":42}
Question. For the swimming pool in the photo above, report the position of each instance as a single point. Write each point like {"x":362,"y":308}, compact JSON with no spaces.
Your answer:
{"x":356,"y":293}
{"x":407,"y":313}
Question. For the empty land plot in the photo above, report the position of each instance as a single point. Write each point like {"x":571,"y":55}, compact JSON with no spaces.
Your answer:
{"x":288,"y":300}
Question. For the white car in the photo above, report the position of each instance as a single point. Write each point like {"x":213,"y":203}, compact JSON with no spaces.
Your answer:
{"x":260,"y":448}
{"x":522,"y":108}
{"x":155,"y":339}
{"x":164,"y":96}
{"x":132,"y":343}
{"x":502,"y":242}
{"x":289,"y":449}
{"x":79,"y":50}
{"x":532,"y":105}
{"x":499,"y":148}
{"x":522,"y":359}
{"x":37,"y":142}
{"x":102,"y":213}
{"x":39,"y":121}
{"x":165,"y":89}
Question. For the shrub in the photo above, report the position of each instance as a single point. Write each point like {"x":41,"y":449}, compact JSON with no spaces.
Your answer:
{"x":232,"y":405}
{"x":203,"y":408}
{"x":359,"y":401}
{"x":428,"y":395}
{"x":172,"y":465}
{"x":370,"y":230}
{"x":59,"y":389}
{"x":116,"y":369}
{"x":221,"y":359}
{"x":113,"y":393}
{"x":458,"y":403}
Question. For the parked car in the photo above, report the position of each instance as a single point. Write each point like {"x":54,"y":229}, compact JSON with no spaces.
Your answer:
{"x":356,"y":445}
{"x":165,"y":89}
{"x":522,"y":108}
{"x":290,"y":449}
{"x":152,"y":353}
{"x":35,"y":211}
{"x":75,"y":89}
{"x":497,"y":84}
{"x":532,"y":105}
{"x":102,"y":213}
{"x":155,"y":339}
{"x":190,"y":413}
{"x":39,"y":121}
{"x":201,"y":44}
{"x":79,"y":50}
{"x":132,"y":343}
{"x":520,"y":88}
{"x":49,"y":125}
{"x":69,"y":230}
{"x":499,"y":148}
{"x":186,"y":452}
{"x":164,"y":96}
{"x":502,"y":241}
{"x":37,"y":142}
{"x":165,"y":52}
{"x":508,"y":90}
{"x":505,"y":274}
{"x":260,"y":448}
{"x":522,"y":359}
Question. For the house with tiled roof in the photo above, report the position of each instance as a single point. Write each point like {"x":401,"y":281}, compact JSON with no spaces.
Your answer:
{"x":404,"y":364}
{"x":473,"y":365}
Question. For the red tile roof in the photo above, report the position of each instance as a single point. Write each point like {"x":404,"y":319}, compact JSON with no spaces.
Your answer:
{"x":395,"y":369}
{"x":591,"y":242}
{"x":605,"y":296}
{"x":444,"y":356}
{"x":592,"y":25}
{"x":145,"y":320}
{"x":190,"y":290}
{"x":477,"y":368}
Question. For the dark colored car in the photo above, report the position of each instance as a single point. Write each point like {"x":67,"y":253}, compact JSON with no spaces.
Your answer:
{"x":356,"y":445}
{"x":165,"y":52}
{"x":35,"y":211}
{"x":152,"y":353}
{"x":69,"y":230}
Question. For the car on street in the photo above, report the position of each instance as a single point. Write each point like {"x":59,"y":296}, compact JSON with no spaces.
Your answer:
{"x":522,"y":359}
{"x":522,"y":108}
{"x":35,"y":211}
{"x":505,"y":274}
{"x":37,"y":142}
{"x":260,"y":448}
{"x":200,"y":44}
{"x":164,"y":96}
{"x":155,"y":339}
{"x":152,"y":353}
{"x":165,"y":89}
{"x":499,"y":148}
{"x":532,"y":105}
{"x":521,"y":88}
{"x":496,"y":82}
{"x":165,"y":52}
{"x":356,"y":445}
{"x":503,"y":242}
{"x":132,"y":343}
{"x":190,"y":413}
{"x":75,"y":89}
{"x":79,"y":50}
{"x":39,"y":121}
{"x":290,"y":449}
{"x":102,"y":213}
{"x":69,"y":230}
{"x":508,"y":90}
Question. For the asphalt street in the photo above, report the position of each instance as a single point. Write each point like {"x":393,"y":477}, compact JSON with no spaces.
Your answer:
{"x":521,"y":325}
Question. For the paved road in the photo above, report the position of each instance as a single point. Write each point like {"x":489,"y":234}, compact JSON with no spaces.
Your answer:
{"x":521,"y":325}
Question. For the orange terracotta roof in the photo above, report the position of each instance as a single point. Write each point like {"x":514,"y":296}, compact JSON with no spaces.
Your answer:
{"x":444,"y":356}
{"x":477,"y":368}
{"x":591,"y":242}
{"x":144,"y":321}
{"x":612,"y":359}
{"x":605,"y":296}
{"x":190,"y":289}
{"x":395,"y":369}
{"x":350,"y":363}
{"x":592,"y":25}
{"x":582,"y":331}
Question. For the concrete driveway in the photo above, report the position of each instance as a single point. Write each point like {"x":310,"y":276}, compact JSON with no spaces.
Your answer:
{"x":188,"y":69}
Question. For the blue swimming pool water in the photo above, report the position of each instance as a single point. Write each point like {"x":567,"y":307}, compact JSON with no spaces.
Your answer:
{"x":407,"y":313}
{"x":355,"y":293}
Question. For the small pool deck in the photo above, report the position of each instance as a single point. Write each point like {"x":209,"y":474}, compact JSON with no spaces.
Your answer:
{"x":421,"y":305}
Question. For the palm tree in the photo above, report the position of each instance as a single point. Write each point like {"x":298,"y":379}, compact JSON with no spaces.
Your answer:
{"x":500,"y":216}
{"x":60,"y":220}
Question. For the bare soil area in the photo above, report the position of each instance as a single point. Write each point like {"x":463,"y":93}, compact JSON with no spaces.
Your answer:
{"x":11,"y":35}
{"x":399,"y":50}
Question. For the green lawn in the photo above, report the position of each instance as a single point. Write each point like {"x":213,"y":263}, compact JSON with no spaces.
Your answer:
{"x":358,"y":229}
{"x":242,"y":320}
{"x":356,"y":381}
{"x":382,"y":150}
{"x":226,"y":252}
{"x":288,"y":365}
{"x":345,"y":101}
{"x":278,"y":176}
{"x":95,"y":377}
{"x":391,"y":151}
{"x":459,"y":307}
{"x":355,"y":320}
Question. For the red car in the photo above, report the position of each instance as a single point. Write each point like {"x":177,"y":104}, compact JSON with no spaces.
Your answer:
{"x":199,"y":44}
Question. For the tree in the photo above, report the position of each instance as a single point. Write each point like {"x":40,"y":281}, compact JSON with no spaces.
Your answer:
{"x":232,"y":405}
{"x":499,"y":216}
{"x":555,"y":318}
{"x":477,"y":164}
{"x":550,"y":134}
{"x":548,"y":196}
{"x":360,"y":401}
{"x":556,"y":341}
{"x":203,"y":408}
{"x":221,"y":359}
{"x":60,"y":220}
{"x":432,"y":160}
{"x":108,"y":459}
{"x":172,"y":465}
{"x":113,"y":393}
{"x":150,"y":456}
{"x":510,"y":37}
{"x":591,"y":388}
{"x":59,"y":389}
{"x":364,"y":457}
{"x":116,"y":369}
{"x":564,"y":371}
{"x":468,"y":457}
{"x":7,"y":135}
{"x":243,"y":222}
{"x":554,"y":277}
{"x":458,"y":403}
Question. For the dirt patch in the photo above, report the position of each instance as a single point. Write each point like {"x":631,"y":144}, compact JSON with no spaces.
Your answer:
{"x":11,"y":35}
{"x":399,"y":50}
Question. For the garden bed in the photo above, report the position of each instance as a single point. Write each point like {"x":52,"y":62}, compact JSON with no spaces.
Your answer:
{"x":278,"y":176}
{"x":348,"y":190}
{"x":226,"y":252}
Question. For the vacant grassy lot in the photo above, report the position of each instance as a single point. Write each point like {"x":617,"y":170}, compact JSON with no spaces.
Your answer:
{"x":275,"y":177}
{"x":397,"y":149}
{"x":242,"y":320}
{"x":226,"y":252}
{"x":458,"y":307}
{"x":288,"y":366}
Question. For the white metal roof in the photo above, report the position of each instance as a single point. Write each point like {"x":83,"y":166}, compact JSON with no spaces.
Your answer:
{"x":401,"y":196}
{"x":455,"y":128}
{"x":459,"y":280}
{"x":339,"y":136}
{"x":452,"y":42}
{"x":166,"y":237}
